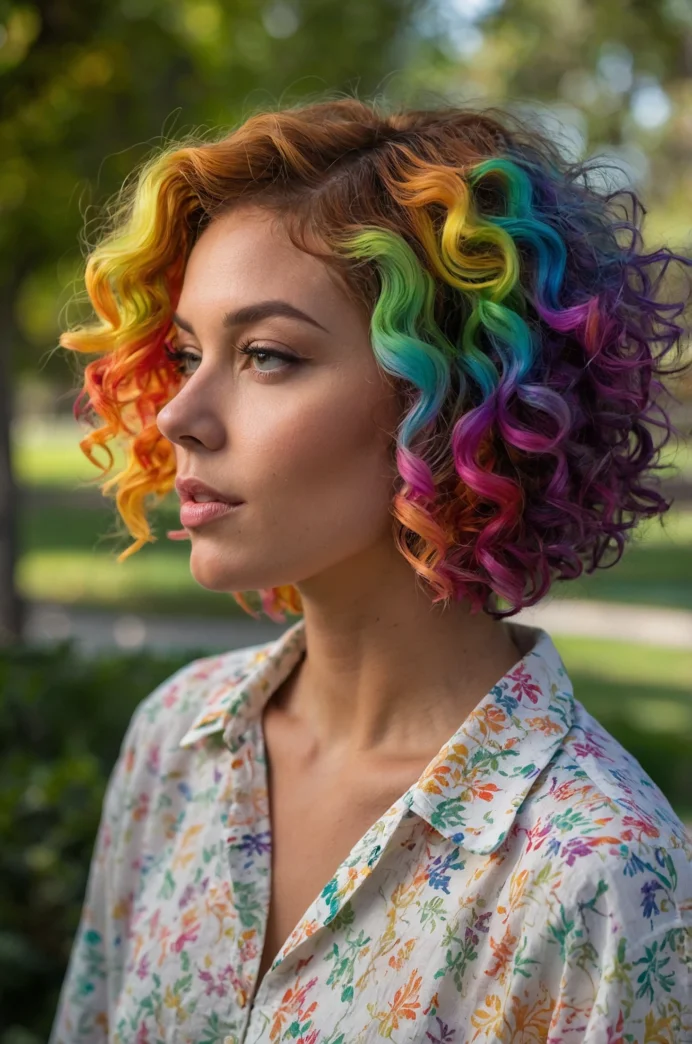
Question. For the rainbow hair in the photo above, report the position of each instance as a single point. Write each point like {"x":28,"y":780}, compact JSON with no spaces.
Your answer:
{"x":510,"y":299}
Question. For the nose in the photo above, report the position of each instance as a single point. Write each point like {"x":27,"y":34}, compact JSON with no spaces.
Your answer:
{"x":192,"y":419}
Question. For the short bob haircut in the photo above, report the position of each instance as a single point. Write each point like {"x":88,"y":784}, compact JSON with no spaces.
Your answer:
{"x":510,"y":299}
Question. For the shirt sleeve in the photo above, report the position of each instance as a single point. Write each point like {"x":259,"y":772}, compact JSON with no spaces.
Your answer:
{"x":634,"y":986}
{"x":82,"y":1015}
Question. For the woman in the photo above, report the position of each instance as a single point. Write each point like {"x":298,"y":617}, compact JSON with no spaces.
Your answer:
{"x":401,"y":369}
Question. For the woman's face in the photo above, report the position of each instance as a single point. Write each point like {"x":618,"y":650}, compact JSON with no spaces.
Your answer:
{"x":304,"y":442}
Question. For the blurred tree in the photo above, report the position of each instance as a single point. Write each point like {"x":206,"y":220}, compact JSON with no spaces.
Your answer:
{"x":87,"y":88}
{"x":611,"y":77}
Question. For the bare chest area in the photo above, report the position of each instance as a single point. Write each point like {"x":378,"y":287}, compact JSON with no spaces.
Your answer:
{"x":316,"y":820}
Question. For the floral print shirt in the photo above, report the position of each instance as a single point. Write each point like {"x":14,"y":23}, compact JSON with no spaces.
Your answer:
{"x":532,"y":885}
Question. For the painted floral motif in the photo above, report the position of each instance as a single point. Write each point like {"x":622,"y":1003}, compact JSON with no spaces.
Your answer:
{"x":532,"y":885}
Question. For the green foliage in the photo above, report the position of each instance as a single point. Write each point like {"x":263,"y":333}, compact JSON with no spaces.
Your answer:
{"x":62,"y":720}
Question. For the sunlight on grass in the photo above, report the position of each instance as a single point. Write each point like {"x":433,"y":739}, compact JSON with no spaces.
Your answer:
{"x":49,"y":455}
{"x":624,"y":661}
{"x":69,"y":576}
{"x":677,"y":461}
{"x":675,"y":527}
{"x":646,"y":688}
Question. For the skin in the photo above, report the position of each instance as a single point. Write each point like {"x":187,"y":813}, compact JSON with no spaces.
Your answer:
{"x":387,"y":677}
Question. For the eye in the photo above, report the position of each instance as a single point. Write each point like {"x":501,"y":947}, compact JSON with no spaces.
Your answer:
{"x":262,"y":354}
{"x":180,"y":358}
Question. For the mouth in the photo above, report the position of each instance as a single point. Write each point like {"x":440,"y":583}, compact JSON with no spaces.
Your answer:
{"x":195,"y":513}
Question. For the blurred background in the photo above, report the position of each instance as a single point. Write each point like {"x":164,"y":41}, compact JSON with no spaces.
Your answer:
{"x":87,"y":89}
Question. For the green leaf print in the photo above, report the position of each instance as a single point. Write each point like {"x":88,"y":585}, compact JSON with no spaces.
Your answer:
{"x":653,"y":971}
{"x":214,"y":1032}
{"x":521,"y":963}
{"x":182,"y":985}
{"x":432,"y":910}
{"x":543,"y":875}
{"x":562,"y":931}
{"x":167,"y":889}
{"x":570,"y":820}
{"x":491,"y":758}
{"x":343,"y":919}
{"x":448,"y":813}
{"x":345,"y":960}
{"x":329,"y":893}
{"x":248,"y":906}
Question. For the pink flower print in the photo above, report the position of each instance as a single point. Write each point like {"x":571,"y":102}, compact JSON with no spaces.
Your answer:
{"x":536,"y":835}
{"x":154,"y":759}
{"x":185,"y":898}
{"x":248,"y":946}
{"x":641,"y":826}
{"x":574,"y":848}
{"x":142,"y":1034}
{"x":141,"y":809}
{"x":523,"y":686}
{"x":190,"y":931}
{"x":584,"y":750}
{"x":210,"y":986}
{"x":143,"y":968}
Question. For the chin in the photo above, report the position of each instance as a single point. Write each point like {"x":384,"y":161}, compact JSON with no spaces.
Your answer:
{"x":216,"y":575}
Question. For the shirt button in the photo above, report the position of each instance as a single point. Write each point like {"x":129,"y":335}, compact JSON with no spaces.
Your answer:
{"x":232,"y":1039}
{"x":241,"y":997}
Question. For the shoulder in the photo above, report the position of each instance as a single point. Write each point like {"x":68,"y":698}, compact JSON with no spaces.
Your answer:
{"x":608,"y":832}
{"x":638,"y":807}
{"x":153,"y":759}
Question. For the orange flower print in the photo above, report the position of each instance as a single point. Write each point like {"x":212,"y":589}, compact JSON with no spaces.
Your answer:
{"x":502,"y":956}
{"x":545,"y":724}
{"x":403,"y":1006}
{"x":398,"y":959}
{"x":489,"y":1020}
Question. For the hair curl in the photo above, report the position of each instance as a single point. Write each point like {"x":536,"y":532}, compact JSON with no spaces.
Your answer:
{"x":510,"y":299}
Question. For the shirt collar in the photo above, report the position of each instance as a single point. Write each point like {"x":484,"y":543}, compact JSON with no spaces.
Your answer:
{"x":473,"y":788}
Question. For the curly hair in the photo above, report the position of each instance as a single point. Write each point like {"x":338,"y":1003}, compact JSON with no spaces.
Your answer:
{"x":511,"y":301}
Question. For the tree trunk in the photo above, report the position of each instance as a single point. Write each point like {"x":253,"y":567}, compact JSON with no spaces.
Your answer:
{"x":11,"y":606}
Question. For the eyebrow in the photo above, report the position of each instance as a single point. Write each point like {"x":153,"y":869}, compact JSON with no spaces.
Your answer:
{"x":253,"y":313}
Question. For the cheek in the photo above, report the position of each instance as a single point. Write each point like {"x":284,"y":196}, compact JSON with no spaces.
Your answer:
{"x":341,"y":434}
{"x":327,"y":459}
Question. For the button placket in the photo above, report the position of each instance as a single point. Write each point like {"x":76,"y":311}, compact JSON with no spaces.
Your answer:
{"x":249,"y":852}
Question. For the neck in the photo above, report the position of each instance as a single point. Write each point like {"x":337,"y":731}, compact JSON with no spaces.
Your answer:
{"x":385,"y":672}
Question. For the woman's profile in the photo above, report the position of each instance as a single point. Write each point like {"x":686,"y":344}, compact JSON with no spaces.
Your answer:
{"x":404,"y":370}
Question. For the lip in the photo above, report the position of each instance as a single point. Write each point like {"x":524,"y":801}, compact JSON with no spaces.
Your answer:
{"x":188,"y":488}
{"x":193,"y":514}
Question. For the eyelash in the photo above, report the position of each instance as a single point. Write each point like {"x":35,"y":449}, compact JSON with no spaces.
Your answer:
{"x":179,"y":355}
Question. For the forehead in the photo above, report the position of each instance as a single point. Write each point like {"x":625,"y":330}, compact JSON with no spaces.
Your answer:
{"x":248,"y":252}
